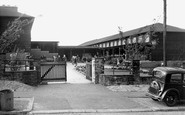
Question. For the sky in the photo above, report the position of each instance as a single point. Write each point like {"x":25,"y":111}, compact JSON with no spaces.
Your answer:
{"x":73,"y":22}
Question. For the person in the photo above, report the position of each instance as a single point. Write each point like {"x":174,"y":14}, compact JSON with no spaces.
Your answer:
{"x":58,"y":58}
{"x":64,"y":57}
{"x":43,"y":58}
{"x":117,"y":61}
{"x":31,"y":62}
{"x":162,"y":64}
{"x":72,"y":60}
{"x":75,"y":60}
{"x":54,"y":58}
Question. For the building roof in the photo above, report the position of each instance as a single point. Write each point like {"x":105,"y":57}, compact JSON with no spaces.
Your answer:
{"x":45,"y":41}
{"x":11,"y":11}
{"x":158,"y":27}
{"x":77,"y":47}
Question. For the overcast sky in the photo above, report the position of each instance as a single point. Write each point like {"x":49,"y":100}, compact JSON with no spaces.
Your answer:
{"x":72,"y":22}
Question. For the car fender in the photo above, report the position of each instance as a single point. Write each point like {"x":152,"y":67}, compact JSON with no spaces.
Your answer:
{"x":169,"y":90}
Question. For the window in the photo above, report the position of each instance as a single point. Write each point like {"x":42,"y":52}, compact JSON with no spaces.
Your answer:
{"x":123,"y":42}
{"x":129,"y":40}
{"x":175,"y":78}
{"x":147,"y":38}
{"x":104,"y":45}
{"x":119,"y":43}
{"x":115,"y":43}
{"x":134,"y":40}
{"x":159,"y":75}
{"x":107,"y":44}
{"x":140,"y":39}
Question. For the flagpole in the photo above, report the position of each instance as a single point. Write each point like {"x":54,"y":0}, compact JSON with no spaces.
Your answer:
{"x":164,"y":35}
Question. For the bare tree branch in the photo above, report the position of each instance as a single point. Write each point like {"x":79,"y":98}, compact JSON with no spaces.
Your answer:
{"x":139,"y":48}
{"x":12,"y":33}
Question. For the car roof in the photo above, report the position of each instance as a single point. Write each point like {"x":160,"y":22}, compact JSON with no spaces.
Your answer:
{"x":168,"y":70}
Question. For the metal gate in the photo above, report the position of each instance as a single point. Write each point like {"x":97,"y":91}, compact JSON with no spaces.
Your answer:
{"x":53,"y":71}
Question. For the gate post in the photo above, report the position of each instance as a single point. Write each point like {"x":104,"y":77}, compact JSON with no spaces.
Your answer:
{"x":93,"y":70}
{"x":135,"y":70}
{"x":97,"y":69}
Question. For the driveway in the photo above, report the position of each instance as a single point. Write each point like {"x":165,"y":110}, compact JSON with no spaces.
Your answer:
{"x":79,"y":94}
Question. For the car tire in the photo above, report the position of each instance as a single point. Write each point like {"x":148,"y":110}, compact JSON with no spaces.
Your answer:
{"x":171,"y":99}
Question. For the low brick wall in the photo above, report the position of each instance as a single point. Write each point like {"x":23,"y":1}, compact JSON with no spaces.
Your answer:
{"x":30,"y":77}
{"x":27,"y":77}
{"x":108,"y":80}
{"x":113,"y":79}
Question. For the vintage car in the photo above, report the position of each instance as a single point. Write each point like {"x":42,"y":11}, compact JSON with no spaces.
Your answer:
{"x":168,"y":85}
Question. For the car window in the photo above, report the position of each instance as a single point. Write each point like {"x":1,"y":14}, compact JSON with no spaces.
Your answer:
{"x":159,"y":75}
{"x":175,"y":78}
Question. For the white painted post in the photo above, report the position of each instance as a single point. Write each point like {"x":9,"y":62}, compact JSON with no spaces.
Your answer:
{"x":93,"y":70}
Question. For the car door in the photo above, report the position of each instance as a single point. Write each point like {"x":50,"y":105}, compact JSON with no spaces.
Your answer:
{"x":176,"y":83}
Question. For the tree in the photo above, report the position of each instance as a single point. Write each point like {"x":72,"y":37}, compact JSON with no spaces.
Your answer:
{"x":12,"y":33}
{"x":135,"y":50}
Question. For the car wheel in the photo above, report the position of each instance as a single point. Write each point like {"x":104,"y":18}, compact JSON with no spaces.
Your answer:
{"x":171,"y":99}
{"x":154,"y":99}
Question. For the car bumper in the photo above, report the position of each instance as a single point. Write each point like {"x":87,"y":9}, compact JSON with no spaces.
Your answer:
{"x":153,"y":96}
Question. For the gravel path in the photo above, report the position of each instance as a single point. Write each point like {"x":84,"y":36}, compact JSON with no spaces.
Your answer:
{"x":17,"y":86}
{"x":130,"y":88}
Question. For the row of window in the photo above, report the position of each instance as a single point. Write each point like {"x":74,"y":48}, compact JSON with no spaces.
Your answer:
{"x":140,"y":39}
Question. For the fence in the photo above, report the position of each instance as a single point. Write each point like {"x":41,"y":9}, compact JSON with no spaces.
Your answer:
{"x":19,"y":65}
{"x":25,"y":71}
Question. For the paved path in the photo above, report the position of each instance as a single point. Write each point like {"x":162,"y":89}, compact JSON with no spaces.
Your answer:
{"x":126,"y":113}
{"x":74,"y":76}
